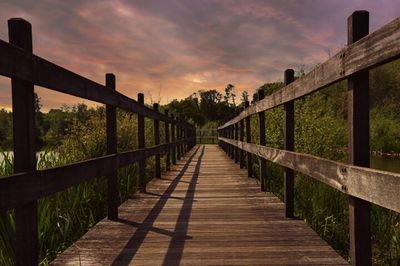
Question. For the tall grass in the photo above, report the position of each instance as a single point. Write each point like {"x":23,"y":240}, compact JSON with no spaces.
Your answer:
{"x":65,"y":216}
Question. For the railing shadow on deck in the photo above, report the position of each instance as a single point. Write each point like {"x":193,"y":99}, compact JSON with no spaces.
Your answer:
{"x":127,"y":254}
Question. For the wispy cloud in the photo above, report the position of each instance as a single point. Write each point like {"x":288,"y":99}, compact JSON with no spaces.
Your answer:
{"x":172,"y":48}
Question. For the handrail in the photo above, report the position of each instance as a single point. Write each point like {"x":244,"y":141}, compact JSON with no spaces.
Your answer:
{"x":382,"y":189}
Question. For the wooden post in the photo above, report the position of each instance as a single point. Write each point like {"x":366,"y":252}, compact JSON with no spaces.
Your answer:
{"x":230,"y":137}
{"x":289,"y":146}
{"x":182,"y":146}
{"x":200,"y":136}
{"x":167,"y":140}
{"x":358,"y":119}
{"x":248,"y":140}
{"x":27,"y":248}
{"x":157,"y":141}
{"x":178,"y":137}
{"x":111,"y":124}
{"x":261,"y":124}
{"x":184,"y":136}
{"x":236,"y":138}
{"x":141,"y":142}
{"x":232,"y":131}
{"x":173,"y":127}
{"x":195,"y":138}
{"x":241,"y":138}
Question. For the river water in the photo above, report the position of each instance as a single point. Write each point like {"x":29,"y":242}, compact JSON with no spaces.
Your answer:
{"x":386,"y":163}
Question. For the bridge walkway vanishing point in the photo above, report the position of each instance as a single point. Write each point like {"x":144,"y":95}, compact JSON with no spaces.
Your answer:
{"x":206,"y":211}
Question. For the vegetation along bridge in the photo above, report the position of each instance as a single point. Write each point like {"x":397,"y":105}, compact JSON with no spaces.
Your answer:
{"x":203,"y":209}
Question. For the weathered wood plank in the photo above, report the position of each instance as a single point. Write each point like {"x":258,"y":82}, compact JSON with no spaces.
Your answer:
{"x":378,"y":187}
{"x":199,"y":214}
{"x":375,"y":49}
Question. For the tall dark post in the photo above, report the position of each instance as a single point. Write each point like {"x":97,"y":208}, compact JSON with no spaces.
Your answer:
{"x":232,"y":131}
{"x":248,"y":140}
{"x":173,"y":139}
{"x":241,"y":138}
{"x":111,"y":123}
{"x":194,"y":136}
{"x":168,"y":141}
{"x":20,"y":34}
{"x":261,"y":124}
{"x":358,"y":119}
{"x":289,"y":146}
{"x":141,"y":142}
{"x":178,"y":137}
{"x":184,"y":136}
{"x":236,"y":138}
{"x":157,"y":141}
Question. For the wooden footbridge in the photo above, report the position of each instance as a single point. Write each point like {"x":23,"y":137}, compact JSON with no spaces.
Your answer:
{"x":204,"y":210}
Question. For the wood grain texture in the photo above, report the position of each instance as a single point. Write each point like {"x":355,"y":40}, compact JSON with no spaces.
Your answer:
{"x":205,"y":211}
{"x":375,"y":49}
{"x":24,"y":142}
{"x":378,"y":187}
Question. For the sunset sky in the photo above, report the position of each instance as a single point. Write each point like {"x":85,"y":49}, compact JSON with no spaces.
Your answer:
{"x":168,"y":49}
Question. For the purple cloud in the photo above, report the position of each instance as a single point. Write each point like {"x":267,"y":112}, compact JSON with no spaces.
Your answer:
{"x":171,"y":48}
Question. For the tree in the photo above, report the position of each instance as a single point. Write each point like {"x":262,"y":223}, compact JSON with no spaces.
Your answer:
{"x":229,"y":95}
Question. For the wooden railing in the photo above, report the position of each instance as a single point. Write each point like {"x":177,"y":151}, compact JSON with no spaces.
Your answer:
{"x":363,"y":185}
{"x":23,"y":189}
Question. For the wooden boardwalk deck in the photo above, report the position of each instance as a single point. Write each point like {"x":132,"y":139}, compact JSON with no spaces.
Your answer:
{"x":206,"y":211}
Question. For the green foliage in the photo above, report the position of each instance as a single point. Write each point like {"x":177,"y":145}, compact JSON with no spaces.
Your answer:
{"x":5,"y":130}
{"x":206,"y":106}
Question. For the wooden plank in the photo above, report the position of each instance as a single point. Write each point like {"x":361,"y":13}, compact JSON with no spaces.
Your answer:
{"x":156,"y":131}
{"x":201,"y":214}
{"x":24,"y":141}
{"x":358,"y":120}
{"x":111,"y":133}
{"x":288,"y":174}
{"x":375,"y":49}
{"x":378,"y":187}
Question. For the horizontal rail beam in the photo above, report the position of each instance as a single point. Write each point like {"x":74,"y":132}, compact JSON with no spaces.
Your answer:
{"x":375,"y":49}
{"x":23,"y":187}
{"x":378,"y":187}
{"x":17,"y":63}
